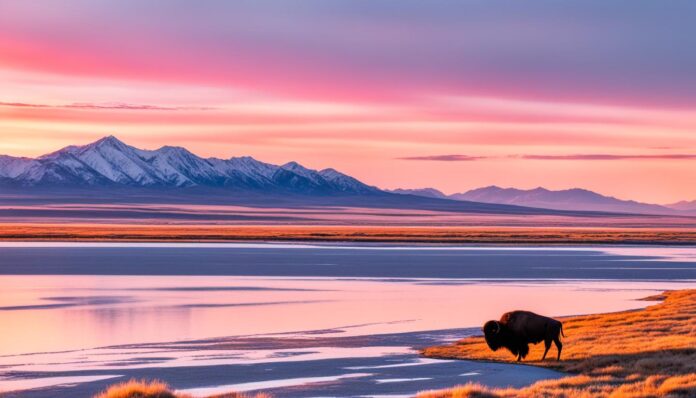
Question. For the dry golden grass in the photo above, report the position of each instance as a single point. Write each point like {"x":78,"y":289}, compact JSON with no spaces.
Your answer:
{"x":365,"y":233}
{"x":157,"y":389}
{"x":642,"y":353}
{"x":139,"y":389}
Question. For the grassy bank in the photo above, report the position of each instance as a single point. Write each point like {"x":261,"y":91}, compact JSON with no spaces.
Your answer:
{"x":642,"y":353}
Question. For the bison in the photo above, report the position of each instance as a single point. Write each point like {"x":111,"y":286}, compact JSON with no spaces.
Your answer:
{"x":517,"y":329}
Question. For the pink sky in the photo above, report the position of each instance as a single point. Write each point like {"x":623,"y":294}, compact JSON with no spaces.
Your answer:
{"x":447,"y":97}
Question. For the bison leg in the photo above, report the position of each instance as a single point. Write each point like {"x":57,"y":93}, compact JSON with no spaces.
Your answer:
{"x":559,"y":345}
{"x":524,"y":350}
{"x":547,"y":345}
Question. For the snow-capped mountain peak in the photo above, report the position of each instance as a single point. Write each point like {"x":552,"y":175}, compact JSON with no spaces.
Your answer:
{"x":344,"y":182}
{"x":331,"y":174}
{"x":300,"y":170}
{"x":296,"y":167}
{"x":109,"y":140}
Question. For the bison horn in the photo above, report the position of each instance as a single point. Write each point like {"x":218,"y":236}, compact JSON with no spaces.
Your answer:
{"x":497,"y":327}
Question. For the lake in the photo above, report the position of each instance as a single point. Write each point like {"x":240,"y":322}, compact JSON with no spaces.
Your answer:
{"x":296,"y":320}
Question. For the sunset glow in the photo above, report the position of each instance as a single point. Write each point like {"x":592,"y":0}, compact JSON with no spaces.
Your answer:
{"x":398,"y":94}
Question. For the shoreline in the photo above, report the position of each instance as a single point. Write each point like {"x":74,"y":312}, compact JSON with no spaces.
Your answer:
{"x":632,"y":353}
{"x":512,"y":372}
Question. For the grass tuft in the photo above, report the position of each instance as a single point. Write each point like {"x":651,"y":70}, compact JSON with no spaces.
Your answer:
{"x":158,"y":389}
{"x":139,"y":389}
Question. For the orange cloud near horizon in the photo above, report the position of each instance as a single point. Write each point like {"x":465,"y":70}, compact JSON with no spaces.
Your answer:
{"x":629,"y":153}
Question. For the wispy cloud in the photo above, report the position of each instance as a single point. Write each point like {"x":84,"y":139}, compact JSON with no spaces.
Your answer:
{"x":104,"y":106}
{"x":445,"y":158}
{"x":580,"y":156}
{"x":604,"y":156}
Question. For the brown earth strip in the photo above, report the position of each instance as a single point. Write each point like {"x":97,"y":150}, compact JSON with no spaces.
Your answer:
{"x":459,"y":235}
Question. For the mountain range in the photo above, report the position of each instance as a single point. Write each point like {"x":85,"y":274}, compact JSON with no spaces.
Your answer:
{"x":108,"y":167}
{"x":109,"y":179}
{"x":110,"y":162}
{"x":567,"y":199}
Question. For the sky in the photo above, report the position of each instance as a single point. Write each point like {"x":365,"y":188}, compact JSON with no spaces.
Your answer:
{"x":398,"y":93}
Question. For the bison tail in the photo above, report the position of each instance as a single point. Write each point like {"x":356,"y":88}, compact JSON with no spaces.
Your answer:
{"x":562,"y":334}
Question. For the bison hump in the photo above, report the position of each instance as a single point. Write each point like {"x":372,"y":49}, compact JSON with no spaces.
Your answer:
{"x":531,"y":326}
{"x":516,"y":317}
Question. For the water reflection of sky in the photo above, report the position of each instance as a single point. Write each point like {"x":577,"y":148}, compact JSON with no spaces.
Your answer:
{"x":56,"y":313}
{"x":650,"y":251}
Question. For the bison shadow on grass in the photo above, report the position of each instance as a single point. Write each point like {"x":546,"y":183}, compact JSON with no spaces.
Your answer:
{"x":517,"y":329}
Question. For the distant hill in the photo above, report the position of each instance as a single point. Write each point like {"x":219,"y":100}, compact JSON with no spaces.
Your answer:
{"x":570,"y":199}
{"x":684,"y":205}
{"x":425,"y":192}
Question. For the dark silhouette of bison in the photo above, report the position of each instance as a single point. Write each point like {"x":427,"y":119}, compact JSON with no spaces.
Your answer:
{"x":517,"y":329}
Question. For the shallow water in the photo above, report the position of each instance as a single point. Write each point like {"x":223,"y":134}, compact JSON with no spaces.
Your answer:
{"x":297,"y":320}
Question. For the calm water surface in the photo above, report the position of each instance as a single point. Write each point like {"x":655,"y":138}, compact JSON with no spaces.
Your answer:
{"x":296,"y":320}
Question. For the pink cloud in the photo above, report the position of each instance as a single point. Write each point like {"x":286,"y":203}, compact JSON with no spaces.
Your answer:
{"x":107,"y":106}
{"x":445,"y":158}
{"x":590,"y":156}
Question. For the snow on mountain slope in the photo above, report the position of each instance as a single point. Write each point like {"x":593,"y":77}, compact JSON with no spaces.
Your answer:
{"x":11,"y":167}
{"x":60,"y":168}
{"x":245,"y":167}
{"x":344,"y":182}
{"x":179,"y":167}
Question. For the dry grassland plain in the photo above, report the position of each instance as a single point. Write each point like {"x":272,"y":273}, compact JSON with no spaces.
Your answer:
{"x":314,"y":233}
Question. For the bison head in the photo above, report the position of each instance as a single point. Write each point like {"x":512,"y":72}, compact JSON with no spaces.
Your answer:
{"x":492,"y":332}
{"x":498,"y":335}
